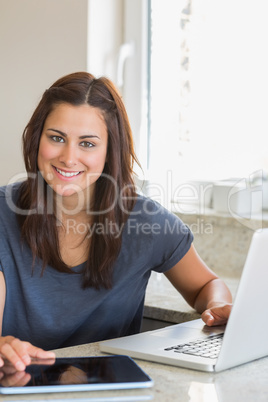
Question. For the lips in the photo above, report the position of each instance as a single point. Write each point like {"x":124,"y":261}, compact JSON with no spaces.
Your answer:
{"x":65,"y":173}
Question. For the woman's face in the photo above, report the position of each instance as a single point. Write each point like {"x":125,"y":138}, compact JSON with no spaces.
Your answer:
{"x":73,"y":148}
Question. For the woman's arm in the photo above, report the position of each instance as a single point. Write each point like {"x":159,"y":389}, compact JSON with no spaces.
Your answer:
{"x":201,"y":288}
{"x":19,"y":353}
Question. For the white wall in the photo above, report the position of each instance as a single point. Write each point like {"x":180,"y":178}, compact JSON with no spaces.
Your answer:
{"x":40,"y":40}
{"x":117,"y":48}
{"x":105,"y":36}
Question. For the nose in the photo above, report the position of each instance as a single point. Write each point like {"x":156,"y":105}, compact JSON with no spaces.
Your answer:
{"x":68,"y":156}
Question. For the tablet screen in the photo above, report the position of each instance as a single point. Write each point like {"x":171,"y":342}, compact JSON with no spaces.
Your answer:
{"x":74,"y":374}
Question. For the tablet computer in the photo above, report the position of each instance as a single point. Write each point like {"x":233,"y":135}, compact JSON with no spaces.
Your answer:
{"x":74,"y":374}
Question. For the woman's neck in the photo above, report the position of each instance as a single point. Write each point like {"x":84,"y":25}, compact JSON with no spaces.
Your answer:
{"x":76,"y":207}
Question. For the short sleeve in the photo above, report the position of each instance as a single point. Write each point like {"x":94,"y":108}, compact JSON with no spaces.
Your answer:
{"x":170,"y":238}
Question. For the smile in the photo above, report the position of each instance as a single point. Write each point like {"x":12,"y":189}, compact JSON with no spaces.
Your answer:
{"x":67,"y":174}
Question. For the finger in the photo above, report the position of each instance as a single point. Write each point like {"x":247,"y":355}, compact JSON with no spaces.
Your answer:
{"x":19,"y":352}
{"x":221,"y":315}
{"x":208,"y":318}
{"x":21,"y":348}
{"x":39,"y":353}
{"x":212,"y":319}
{"x":48,"y":362}
{"x":222,"y":311}
{"x":10,"y":354}
{"x":218,"y":319}
{"x":27,"y":351}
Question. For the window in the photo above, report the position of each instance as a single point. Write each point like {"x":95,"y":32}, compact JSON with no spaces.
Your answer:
{"x":195,"y":84}
{"x":208,"y":89}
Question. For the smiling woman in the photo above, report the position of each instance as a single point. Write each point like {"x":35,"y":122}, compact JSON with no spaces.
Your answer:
{"x":73,"y":148}
{"x":77,"y":243}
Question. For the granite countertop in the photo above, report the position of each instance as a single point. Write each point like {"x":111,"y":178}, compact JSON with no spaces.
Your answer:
{"x":164,"y":303}
{"x":244,"y":383}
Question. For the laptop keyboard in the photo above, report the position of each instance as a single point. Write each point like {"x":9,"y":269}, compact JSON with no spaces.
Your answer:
{"x":205,"y":347}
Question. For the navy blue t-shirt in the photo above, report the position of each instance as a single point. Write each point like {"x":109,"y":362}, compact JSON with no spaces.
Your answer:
{"x":53,"y":311}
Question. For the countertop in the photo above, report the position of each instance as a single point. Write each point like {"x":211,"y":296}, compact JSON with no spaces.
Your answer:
{"x":246,"y":383}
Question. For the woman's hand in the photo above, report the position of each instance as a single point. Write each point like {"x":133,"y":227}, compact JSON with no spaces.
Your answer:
{"x":20,"y":353}
{"x":217,"y":314}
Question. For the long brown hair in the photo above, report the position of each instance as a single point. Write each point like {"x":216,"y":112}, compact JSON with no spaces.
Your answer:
{"x":39,"y":223}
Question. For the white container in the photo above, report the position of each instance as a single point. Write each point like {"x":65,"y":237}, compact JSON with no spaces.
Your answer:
{"x":193,"y":196}
{"x":236,"y":198}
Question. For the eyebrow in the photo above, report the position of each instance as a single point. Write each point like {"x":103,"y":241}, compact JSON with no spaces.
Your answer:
{"x":65,"y":135}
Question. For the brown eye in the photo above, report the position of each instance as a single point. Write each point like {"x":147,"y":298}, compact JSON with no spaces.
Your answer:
{"x":56,"y":138}
{"x":87,"y":144}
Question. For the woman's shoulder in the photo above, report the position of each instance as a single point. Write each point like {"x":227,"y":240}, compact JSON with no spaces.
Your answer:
{"x":9,"y":189}
{"x":146,"y":206}
{"x":149,"y":211}
{"x":3,"y":192}
{"x":8,"y":197}
{"x":142,"y":201}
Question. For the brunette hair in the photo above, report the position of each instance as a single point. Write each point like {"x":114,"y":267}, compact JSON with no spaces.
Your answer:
{"x":39,"y":224}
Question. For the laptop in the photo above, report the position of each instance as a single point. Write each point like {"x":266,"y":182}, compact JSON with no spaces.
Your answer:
{"x":196,"y":346}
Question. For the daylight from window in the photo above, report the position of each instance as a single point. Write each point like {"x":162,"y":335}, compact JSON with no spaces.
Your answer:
{"x":208,"y":89}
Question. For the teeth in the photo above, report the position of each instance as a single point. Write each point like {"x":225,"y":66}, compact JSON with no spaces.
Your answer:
{"x":66,"y":174}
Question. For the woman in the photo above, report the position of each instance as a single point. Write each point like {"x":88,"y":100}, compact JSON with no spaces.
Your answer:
{"x":77,"y":243}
